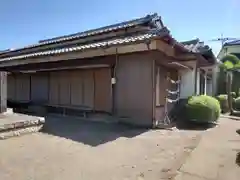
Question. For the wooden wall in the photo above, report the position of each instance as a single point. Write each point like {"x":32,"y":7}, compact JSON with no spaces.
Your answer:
{"x":18,"y":87}
{"x":134,"y":89}
{"x":86,"y":87}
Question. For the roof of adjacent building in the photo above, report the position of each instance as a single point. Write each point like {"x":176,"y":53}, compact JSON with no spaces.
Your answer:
{"x":232,"y":43}
{"x":197,"y":46}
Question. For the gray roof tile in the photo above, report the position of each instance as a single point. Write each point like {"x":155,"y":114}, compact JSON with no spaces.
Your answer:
{"x":125,"y":40}
{"x":195,"y":46}
{"x":233,"y":42}
{"x":105,"y":29}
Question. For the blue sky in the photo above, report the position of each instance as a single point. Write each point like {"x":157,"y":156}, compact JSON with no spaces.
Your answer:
{"x":27,"y":21}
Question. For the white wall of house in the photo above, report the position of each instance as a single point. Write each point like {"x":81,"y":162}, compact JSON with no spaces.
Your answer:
{"x":209,"y":89}
{"x":198,"y":82}
{"x":211,"y":84}
{"x":187,"y":80}
{"x":187,"y":87}
{"x":223,"y":52}
{"x":228,"y":49}
{"x":187,"y":83}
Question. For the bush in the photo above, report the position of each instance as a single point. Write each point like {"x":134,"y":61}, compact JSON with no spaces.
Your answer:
{"x":234,"y":95}
{"x":223,"y":100}
{"x":237,"y":103}
{"x":203,"y":109}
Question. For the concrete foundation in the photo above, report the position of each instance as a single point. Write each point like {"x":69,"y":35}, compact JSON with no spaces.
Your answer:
{"x":13,"y":124}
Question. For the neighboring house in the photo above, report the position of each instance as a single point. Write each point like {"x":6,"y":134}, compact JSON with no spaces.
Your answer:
{"x":232,"y":47}
{"x":123,"y":69}
{"x":202,"y":79}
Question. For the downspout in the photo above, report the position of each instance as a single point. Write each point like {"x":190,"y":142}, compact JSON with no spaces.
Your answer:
{"x":113,"y":80}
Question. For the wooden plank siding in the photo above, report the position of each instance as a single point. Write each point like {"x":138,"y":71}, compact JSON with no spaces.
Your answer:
{"x":11,"y":87}
{"x":134,"y":89}
{"x":102,"y":88}
{"x":22,"y":87}
{"x":77,"y":93}
{"x":39,"y":87}
{"x":53,"y":88}
{"x":85,"y":87}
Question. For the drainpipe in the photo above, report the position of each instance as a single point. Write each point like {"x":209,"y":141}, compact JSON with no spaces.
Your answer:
{"x":114,"y":80}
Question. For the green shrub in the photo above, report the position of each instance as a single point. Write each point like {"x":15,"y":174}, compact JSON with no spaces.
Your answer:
{"x":203,"y":109}
{"x":234,"y":95}
{"x":237,"y":103}
{"x":223,"y":100}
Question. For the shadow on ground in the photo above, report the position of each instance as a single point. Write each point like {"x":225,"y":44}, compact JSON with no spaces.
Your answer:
{"x":27,"y":112}
{"x":190,"y":125}
{"x":88,"y":132}
{"x":238,"y":131}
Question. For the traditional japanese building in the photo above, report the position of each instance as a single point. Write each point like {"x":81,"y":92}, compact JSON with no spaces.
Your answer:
{"x":123,"y":69}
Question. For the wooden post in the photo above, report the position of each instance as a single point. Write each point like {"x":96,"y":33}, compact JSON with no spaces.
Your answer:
{"x":3,"y":92}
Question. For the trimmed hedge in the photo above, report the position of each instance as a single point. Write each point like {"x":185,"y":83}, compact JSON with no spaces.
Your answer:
{"x":203,"y":109}
{"x":237,"y":103}
{"x":223,"y":100}
{"x":234,"y":95}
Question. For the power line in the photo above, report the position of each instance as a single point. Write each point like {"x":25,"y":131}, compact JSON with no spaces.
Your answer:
{"x":223,"y":39}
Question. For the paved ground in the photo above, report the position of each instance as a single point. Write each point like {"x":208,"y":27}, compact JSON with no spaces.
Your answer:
{"x":215,"y":156}
{"x":74,"y":149}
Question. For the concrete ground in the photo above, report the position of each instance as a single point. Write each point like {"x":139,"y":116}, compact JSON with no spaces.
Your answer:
{"x":74,"y":149}
{"x":215,"y":156}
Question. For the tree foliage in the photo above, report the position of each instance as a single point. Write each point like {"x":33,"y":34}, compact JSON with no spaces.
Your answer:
{"x":230,"y":62}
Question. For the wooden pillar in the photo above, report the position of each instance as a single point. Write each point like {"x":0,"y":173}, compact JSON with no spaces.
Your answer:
{"x":3,"y":92}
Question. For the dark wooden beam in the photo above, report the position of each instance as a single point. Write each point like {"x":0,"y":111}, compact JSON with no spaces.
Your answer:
{"x":3,"y":92}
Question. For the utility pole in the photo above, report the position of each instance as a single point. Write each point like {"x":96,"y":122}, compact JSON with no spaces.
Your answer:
{"x":223,"y":39}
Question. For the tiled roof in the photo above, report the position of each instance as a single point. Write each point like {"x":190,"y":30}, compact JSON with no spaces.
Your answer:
{"x":106,"y":29}
{"x":4,"y":51}
{"x":195,"y":46}
{"x":232,"y":43}
{"x":113,"y":27}
{"x":117,"y":41}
